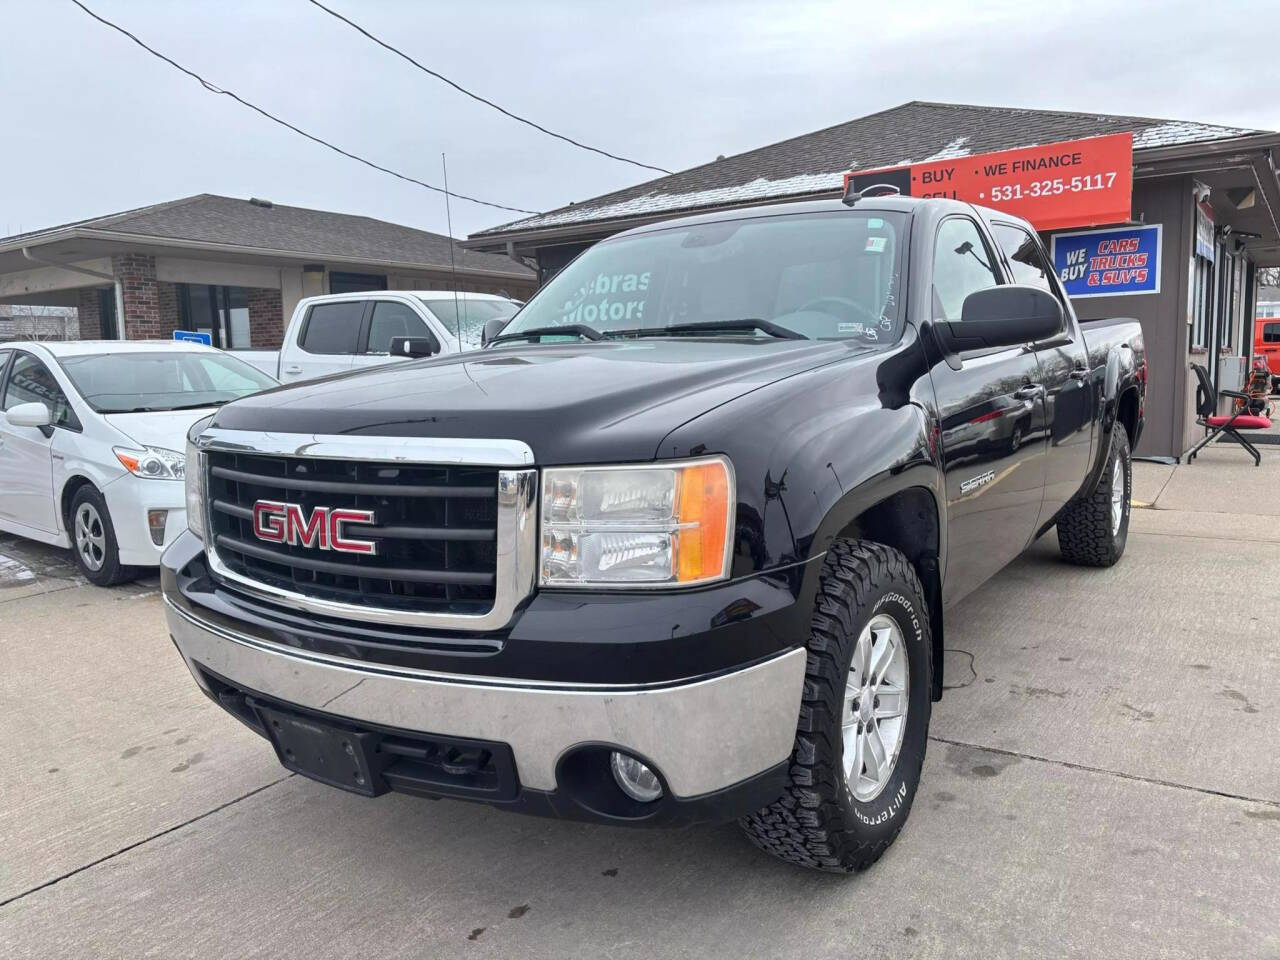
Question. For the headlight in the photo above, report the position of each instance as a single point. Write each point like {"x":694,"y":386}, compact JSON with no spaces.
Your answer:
{"x":153,"y":463}
{"x":195,"y":480}
{"x":665,"y":524}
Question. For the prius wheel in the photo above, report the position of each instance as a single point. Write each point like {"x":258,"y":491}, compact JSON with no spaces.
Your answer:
{"x":864,"y":717}
{"x":93,"y":540}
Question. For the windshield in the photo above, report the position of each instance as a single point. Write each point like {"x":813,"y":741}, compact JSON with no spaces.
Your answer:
{"x":163,"y":380}
{"x":825,"y":276}
{"x":475,"y":314}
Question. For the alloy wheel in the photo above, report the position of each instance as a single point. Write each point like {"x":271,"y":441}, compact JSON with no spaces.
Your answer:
{"x":91,"y":538}
{"x":1117,"y":495}
{"x":874,"y":716}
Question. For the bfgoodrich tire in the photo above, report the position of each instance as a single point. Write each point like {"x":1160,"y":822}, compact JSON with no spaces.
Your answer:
{"x":842,"y":808}
{"x":1092,"y":531}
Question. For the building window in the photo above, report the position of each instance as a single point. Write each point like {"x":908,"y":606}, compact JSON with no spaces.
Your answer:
{"x":356,"y":282}
{"x":221,"y":312}
{"x":1201,"y":303}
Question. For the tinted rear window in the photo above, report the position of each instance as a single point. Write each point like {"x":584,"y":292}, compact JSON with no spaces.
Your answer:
{"x":1271,"y":333}
{"x":333,"y":327}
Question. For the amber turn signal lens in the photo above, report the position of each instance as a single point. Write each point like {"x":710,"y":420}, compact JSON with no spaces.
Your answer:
{"x":703,"y":516}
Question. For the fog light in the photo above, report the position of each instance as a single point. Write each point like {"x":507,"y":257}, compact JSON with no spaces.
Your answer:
{"x":155,"y":522}
{"x":636,"y":780}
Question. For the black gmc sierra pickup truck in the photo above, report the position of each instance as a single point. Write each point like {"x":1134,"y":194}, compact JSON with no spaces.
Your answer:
{"x":676,"y":545}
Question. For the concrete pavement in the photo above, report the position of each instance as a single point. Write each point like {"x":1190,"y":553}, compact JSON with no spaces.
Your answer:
{"x":1101,"y":781}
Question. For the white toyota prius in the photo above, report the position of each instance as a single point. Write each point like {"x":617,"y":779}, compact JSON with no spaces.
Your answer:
{"x":92,"y":438}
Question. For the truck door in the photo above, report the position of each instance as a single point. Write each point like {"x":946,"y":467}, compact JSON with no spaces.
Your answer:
{"x":325,"y":343}
{"x":1064,"y":373}
{"x":992,"y":421}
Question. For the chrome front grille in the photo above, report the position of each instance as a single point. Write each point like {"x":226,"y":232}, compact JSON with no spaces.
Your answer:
{"x":452,"y":543}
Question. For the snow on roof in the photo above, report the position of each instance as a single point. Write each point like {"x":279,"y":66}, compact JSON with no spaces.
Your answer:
{"x":1173,"y":132}
{"x":658,"y":202}
{"x":956,"y":148}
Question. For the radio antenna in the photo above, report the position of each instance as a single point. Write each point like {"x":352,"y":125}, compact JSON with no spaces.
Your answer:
{"x":453,"y":267}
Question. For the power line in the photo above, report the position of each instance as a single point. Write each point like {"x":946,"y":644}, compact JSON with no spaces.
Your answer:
{"x":475,"y":96}
{"x":214,"y":88}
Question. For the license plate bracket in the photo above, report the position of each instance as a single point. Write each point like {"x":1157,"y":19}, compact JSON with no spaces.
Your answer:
{"x":331,"y":754}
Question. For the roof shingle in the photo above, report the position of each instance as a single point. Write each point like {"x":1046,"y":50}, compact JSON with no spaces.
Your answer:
{"x":207,"y":218}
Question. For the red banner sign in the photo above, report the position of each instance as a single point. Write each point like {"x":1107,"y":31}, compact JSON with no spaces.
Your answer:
{"x":1075,"y":183}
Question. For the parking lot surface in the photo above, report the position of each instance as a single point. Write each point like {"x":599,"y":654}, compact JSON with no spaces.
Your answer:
{"x":1102,"y":780}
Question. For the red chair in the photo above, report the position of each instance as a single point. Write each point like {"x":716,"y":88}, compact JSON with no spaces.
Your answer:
{"x":1207,"y":417}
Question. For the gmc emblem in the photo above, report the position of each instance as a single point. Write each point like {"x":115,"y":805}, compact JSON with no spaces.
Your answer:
{"x":286,"y":523}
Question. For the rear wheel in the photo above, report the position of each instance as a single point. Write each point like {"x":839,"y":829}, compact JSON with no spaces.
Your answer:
{"x":1092,"y":531}
{"x":93,"y":540}
{"x":864,"y":717}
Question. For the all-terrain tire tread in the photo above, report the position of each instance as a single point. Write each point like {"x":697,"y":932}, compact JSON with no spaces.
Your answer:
{"x":804,"y":825}
{"x":1084,"y":526}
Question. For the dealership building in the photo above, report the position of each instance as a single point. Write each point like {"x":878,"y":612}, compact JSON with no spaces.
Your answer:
{"x":1202,"y":218}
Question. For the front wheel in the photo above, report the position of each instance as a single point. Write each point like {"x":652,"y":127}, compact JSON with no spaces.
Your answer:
{"x":864,"y":717}
{"x":1093,"y":530}
{"x":93,"y":538}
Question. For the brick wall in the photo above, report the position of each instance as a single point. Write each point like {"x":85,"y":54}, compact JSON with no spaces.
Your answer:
{"x":167,"y":302}
{"x":90,"y":316}
{"x":142,"y":304}
{"x":266,"y":318}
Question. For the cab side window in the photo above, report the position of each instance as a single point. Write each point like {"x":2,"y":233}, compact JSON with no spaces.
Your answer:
{"x":392,"y":319}
{"x":962,"y":263}
{"x":31,"y":382}
{"x":333,"y":327}
{"x":1025,"y":257}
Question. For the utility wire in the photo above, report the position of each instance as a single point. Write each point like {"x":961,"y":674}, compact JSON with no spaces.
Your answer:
{"x":475,"y":96}
{"x":214,"y":88}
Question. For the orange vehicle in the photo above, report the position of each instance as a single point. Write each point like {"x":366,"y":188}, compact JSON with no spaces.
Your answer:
{"x":1266,"y":343}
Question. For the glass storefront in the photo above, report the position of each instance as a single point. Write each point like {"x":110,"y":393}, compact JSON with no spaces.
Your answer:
{"x":222,"y":312}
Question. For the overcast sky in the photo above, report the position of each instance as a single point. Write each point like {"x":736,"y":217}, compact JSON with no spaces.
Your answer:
{"x":92,"y":124}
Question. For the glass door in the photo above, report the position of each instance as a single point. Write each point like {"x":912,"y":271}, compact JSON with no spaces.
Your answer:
{"x":221,"y":312}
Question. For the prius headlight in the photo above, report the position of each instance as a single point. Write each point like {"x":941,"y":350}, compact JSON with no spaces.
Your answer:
{"x":664,"y":524}
{"x":152,"y":463}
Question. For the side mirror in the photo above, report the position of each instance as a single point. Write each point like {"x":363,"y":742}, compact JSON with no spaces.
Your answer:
{"x":492,"y":328}
{"x":30,"y":415}
{"x":1001,"y":317}
{"x":413,"y":347}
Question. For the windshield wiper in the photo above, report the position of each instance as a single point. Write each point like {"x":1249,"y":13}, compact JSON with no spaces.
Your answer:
{"x":574,"y":329}
{"x":717,"y":326}
{"x":197,"y":406}
{"x":186,"y":406}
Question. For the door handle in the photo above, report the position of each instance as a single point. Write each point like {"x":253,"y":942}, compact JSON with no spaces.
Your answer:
{"x":293,"y":368}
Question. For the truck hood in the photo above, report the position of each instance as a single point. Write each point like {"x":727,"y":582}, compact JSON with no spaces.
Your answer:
{"x":162,"y":428}
{"x":571,"y":403}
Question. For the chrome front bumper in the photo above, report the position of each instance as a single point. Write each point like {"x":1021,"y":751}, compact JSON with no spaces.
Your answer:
{"x":702,"y":736}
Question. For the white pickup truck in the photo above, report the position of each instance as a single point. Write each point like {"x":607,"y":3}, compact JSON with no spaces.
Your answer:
{"x":347,"y":331}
